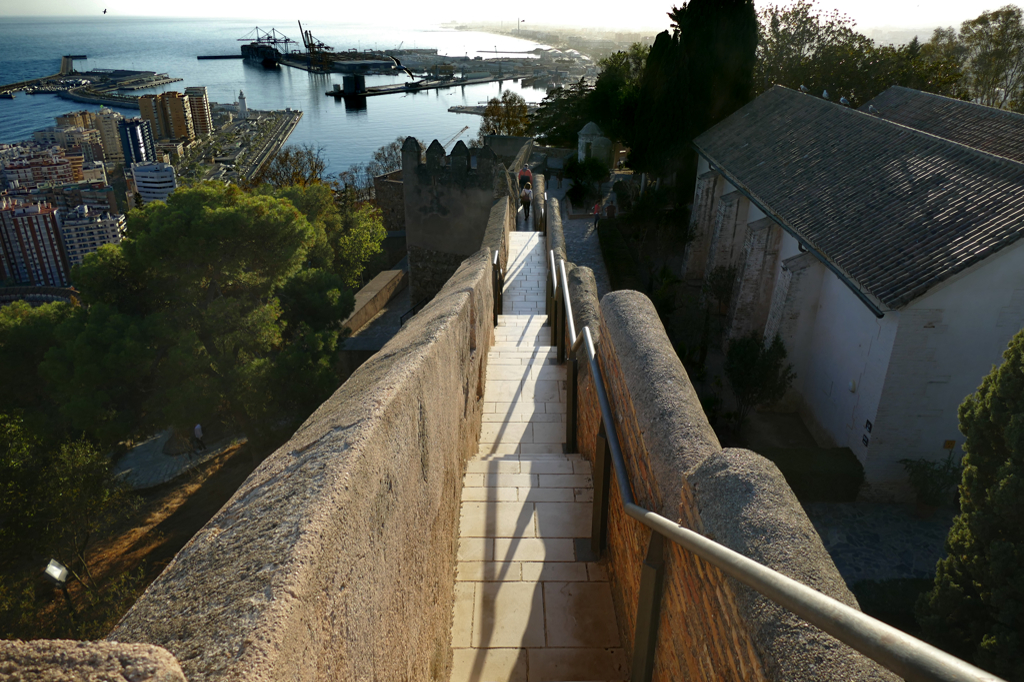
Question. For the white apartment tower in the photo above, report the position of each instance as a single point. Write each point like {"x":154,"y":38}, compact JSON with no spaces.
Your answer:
{"x":154,"y":181}
{"x":85,"y":231}
{"x":199,"y":103}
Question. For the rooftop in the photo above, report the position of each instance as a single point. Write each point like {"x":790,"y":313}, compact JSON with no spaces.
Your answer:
{"x":894,"y":209}
{"x":991,"y":130}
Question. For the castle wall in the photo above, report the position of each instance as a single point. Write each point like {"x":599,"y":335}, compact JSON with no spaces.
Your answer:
{"x":711,"y":627}
{"x":389,"y":193}
{"x":335,"y":559}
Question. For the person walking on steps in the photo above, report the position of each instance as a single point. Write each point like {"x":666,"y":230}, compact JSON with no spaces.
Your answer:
{"x":597,"y":212}
{"x":525,"y":176}
{"x":199,"y":437}
{"x":526,"y":198}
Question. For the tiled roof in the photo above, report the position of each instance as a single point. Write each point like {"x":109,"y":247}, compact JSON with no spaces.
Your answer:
{"x":894,"y":210}
{"x":991,"y":130}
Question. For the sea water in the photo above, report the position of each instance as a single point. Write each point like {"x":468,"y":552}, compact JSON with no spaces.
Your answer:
{"x":32,"y":47}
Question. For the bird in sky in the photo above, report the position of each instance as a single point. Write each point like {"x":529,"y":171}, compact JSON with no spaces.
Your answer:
{"x":871,"y":109}
{"x":398,"y":65}
{"x":104,"y":11}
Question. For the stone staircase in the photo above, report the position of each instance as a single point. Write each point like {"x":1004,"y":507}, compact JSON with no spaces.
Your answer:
{"x":529,"y":606}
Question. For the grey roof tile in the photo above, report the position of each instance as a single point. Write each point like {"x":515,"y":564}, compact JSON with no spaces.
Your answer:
{"x":896,"y":210}
{"x":991,"y":130}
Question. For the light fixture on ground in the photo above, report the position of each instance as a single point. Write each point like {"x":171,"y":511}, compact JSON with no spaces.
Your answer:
{"x":57,"y":573}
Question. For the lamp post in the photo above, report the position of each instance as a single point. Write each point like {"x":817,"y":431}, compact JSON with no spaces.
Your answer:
{"x":57,"y":574}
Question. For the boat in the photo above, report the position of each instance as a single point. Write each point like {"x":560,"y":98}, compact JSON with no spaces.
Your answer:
{"x":7,"y":95}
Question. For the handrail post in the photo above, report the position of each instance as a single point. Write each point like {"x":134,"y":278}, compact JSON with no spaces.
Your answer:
{"x":571,"y":374}
{"x":648,"y":609}
{"x":602,"y":483}
{"x":562,"y":313}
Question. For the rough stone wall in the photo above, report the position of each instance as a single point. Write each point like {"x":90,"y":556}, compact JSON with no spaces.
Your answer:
{"x":755,"y":279}
{"x":555,"y":237}
{"x":61,"y":660}
{"x":712,"y":628}
{"x":728,"y":232}
{"x":702,"y":222}
{"x":390,"y":197}
{"x":334,"y":560}
{"x":429,"y":270}
{"x":537,"y":205}
{"x":446,"y":203}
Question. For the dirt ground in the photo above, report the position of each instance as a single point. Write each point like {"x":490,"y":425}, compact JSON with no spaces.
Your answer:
{"x":170,"y":514}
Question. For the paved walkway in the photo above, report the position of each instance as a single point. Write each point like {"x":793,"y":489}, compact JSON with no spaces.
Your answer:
{"x":146,"y":465}
{"x":528,"y":607}
{"x":582,"y":245}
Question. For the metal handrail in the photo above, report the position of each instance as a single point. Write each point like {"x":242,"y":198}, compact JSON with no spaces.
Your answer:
{"x":901,"y":653}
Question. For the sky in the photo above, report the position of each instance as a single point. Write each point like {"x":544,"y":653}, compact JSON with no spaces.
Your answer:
{"x":641,"y":15}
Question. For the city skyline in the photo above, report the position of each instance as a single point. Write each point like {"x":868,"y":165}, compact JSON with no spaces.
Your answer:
{"x":642,"y":15}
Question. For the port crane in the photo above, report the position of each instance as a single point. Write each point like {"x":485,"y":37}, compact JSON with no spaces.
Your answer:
{"x":319,"y":57}
{"x":454,"y":137}
{"x":272,"y":37}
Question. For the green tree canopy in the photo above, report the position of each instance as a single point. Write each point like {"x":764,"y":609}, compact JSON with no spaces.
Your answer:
{"x":799,"y":45}
{"x":993,"y":52}
{"x":506,"y":116}
{"x":976,"y":608}
{"x":562,"y":115}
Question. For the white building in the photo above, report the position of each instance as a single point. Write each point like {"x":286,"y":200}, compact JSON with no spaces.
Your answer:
{"x":85,"y":231}
{"x":883,"y":247}
{"x":154,"y":181}
{"x":243,"y":112}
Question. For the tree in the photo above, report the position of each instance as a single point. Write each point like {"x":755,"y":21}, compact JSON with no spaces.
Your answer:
{"x":506,"y":116}
{"x":976,"y":608}
{"x":993,"y":45}
{"x":293,"y":165}
{"x":799,"y":45}
{"x":614,"y":100}
{"x":26,"y":335}
{"x":757,"y":372}
{"x":694,"y":78}
{"x":562,"y":114}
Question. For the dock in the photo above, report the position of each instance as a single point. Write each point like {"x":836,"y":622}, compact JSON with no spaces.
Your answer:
{"x":416,"y":86}
{"x":221,"y":56}
{"x":479,"y":109}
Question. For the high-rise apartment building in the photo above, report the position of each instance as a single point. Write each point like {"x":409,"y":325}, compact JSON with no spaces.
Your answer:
{"x":31,"y":248}
{"x":107,"y":123}
{"x":154,"y":181}
{"x":85,"y":231}
{"x":136,"y":141}
{"x":199,"y":104}
{"x":169,"y":114}
{"x":76,"y":119}
{"x":54,"y":169}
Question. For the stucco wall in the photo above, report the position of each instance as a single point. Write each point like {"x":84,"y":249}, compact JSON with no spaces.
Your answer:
{"x":335,"y":559}
{"x":711,"y":627}
{"x":948,"y":340}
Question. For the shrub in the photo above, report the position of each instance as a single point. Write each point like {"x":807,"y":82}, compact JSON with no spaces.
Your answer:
{"x":976,"y":608}
{"x":757,"y":372}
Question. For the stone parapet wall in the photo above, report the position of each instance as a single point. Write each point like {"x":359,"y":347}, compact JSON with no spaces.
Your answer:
{"x":389,"y":194}
{"x":335,"y":559}
{"x":63,"y":660}
{"x":712,"y":628}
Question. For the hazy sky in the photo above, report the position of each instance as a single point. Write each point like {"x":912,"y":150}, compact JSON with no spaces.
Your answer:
{"x":637,"y":14}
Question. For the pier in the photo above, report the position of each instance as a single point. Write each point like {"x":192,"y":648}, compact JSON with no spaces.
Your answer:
{"x":416,"y":86}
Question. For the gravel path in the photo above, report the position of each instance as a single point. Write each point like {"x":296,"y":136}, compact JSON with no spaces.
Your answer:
{"x":873,"y":541}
